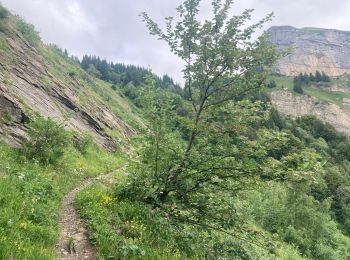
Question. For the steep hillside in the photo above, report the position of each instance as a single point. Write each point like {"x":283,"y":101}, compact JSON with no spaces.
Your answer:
{"x":298,"y":105}
{"x":214,"y":172}
{"x":40,"y":79}
{"x":329,"y":101}
{"x":312,"y":49}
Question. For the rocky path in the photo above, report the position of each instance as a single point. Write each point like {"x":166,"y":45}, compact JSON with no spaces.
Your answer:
{"x":74,"y":240}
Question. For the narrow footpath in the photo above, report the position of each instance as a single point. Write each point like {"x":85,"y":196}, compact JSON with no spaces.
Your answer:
{"x":74,"y":242}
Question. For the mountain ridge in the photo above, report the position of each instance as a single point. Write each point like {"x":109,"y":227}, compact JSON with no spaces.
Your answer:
{"x":311,"y":49}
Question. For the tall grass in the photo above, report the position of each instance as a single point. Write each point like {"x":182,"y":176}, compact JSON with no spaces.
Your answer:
{"x":30,"y":195}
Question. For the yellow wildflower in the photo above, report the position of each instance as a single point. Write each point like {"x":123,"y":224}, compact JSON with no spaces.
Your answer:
{"x":106,"y":199}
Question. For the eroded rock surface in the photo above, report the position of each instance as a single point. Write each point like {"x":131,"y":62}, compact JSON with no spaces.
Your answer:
{"x":314,"y":49}
{"x":299,"y":105}
{"x":30,"y":84}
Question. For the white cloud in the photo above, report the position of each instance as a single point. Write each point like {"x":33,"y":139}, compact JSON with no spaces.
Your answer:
{"x":113,"y":30}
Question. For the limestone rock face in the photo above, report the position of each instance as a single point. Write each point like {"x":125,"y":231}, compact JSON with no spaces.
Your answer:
{"x":32,"y":84}
{"x":299,"y":105}
{"x":312,"y":49}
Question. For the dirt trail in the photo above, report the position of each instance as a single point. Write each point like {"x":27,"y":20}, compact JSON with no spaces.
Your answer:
{"x":74,"y":240}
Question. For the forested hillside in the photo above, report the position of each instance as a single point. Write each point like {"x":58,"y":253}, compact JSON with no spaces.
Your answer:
{"x":208,"y":171}
{"x":121,"y":74}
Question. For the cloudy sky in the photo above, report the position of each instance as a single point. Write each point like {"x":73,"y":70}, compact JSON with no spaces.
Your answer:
{"x":112,"y":29}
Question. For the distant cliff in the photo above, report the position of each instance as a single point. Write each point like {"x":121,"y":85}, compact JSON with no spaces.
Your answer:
{"x":298,"y":105}
{"x":314,"y":49}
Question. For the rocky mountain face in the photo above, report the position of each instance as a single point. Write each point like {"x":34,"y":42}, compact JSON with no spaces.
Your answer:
{"x":298,"y":105}
{"x":312,"y":49}
{"x":40,"y":81}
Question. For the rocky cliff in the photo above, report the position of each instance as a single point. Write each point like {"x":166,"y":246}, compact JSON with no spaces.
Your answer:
{"x":312,"y":49}
{"x":42,"y":81}
{"x":298,"y":105}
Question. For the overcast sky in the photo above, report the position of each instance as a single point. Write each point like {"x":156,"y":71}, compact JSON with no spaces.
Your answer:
{"x":112,"y":29}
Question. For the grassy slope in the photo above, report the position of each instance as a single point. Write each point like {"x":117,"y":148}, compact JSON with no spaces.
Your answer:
{"x":101,"y":91}
{"x":30,"y":198}
{"x":126,"y":230}
{"x":286,"y":83}
{"x":30,"y":193}
{"x":30,"y":205}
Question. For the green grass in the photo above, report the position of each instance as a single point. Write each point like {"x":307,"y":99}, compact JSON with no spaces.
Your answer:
{"x":30,"y":196}
{"x":3,"y":45}
{"x":125,"y":230}
{"x":122,"y":229}
{"x":6,"y":118}
{"x":343,"y":80}
{"x":286,"y":83}
{"x":283,"y":82}
{"x":327,"y":96}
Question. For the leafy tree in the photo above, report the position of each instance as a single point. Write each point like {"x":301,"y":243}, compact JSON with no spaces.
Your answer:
{"x":320,"y":129}
{"x":130,"y":91}
{"x":199,"y":172}
{"x":275,"y":120}
{"x":218,"y":69}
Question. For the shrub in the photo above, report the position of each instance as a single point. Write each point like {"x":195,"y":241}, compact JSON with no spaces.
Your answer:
{"x":3,"y":13}
{"x":272,"y":84}
{"x":28,"y":32}
{"x":72,"y":73}
{"x":298,"y":87}
{"x":82,"y":143}
{"x":130,"y":91}
{"x":47,"y":141}
{"x":6,"y":118}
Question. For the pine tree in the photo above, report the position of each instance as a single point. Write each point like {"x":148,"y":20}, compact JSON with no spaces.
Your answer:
{"x":318,"y":76}
{"x":312,"y":77}
{"x":325,"y":78}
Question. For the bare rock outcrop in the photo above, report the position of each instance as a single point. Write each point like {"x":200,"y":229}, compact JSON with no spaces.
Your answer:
{"x":298,"y":105}
{"x":313,"y":49}
{"x":31,"y":83}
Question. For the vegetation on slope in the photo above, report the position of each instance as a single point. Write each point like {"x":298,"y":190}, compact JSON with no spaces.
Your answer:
{"x":313,"y":88}
{"x":230,"y":178}
{"x":297,"y":209}
{"x":33,"y":181}
{"x":34,"y":178}
{"x":123,"y":75}
{"x":217,"y":173}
